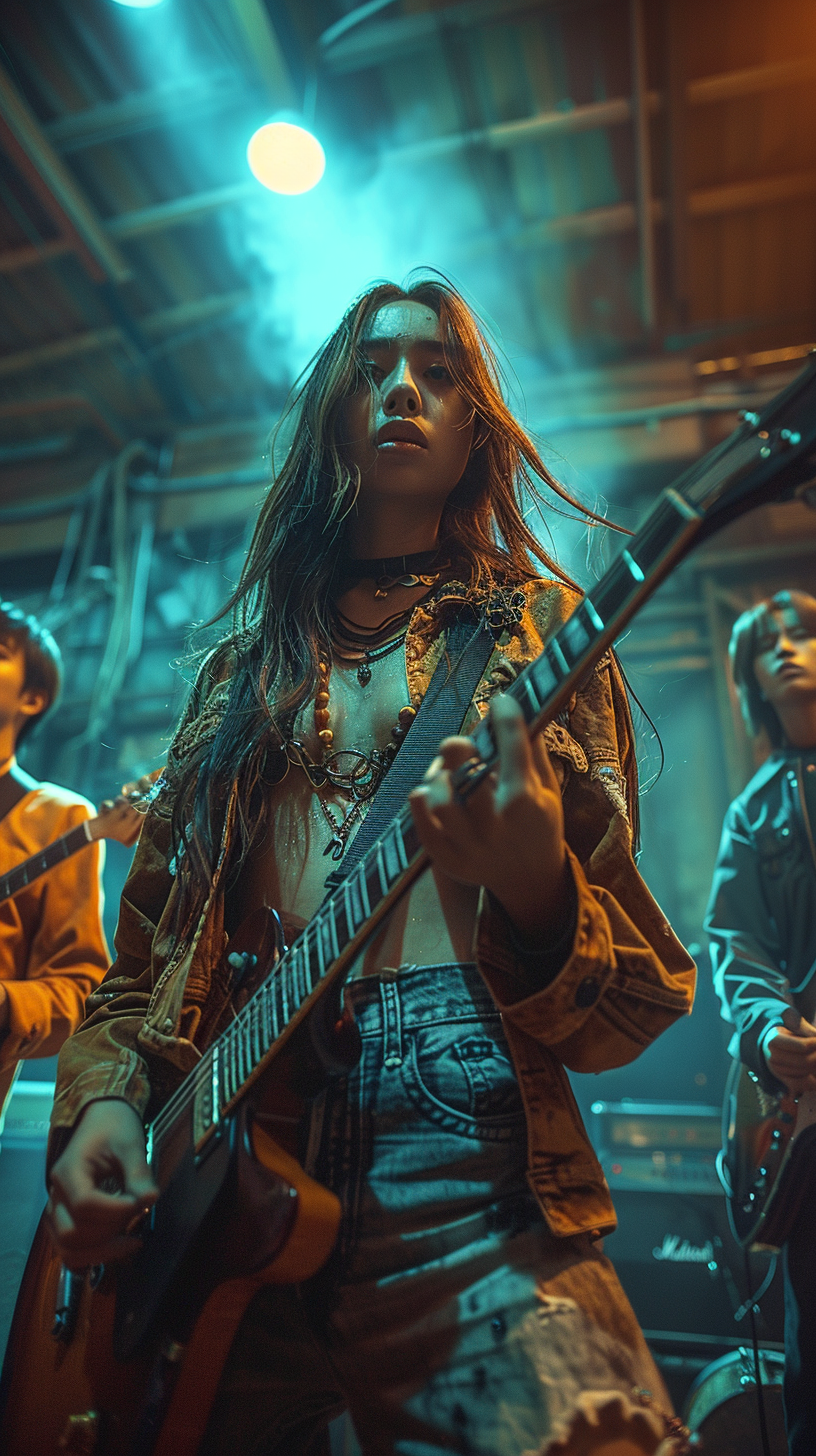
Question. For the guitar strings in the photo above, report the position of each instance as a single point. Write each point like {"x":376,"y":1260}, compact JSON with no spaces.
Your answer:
{"x":189,"y":1089}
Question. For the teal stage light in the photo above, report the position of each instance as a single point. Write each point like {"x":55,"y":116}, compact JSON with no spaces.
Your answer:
{"x":286,"y":158}
{"x":139,"y":4}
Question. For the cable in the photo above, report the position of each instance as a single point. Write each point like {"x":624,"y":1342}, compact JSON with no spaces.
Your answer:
{"x":752,"y":1308}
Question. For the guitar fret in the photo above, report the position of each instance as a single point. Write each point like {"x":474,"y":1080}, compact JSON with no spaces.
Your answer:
{"x":254,"y":1033}
{"x":265,"y":1013}
{"x":371,"y":875}
{"x":524,"y":692}
{"x":358,"y":911}
{"x":216,"y":1084}
{"x":575,"y":637}
{"x":318,"y":940}
{"x":341,"y":924}
{"x":614,"y":591}
{"x":410,"y":839}
{"x":331,"y":931}
{"x":273,"y":1004}
{"x":393,"y":866}
{"x":284,"y":973}
{"x":302,"y":972}
{"x":241,"y":1057}
{"x":634,"y":567}
{"x":348,"y":911}
{"x":361,"y":887}
{"x":589,"y":607}
{"x":324,"y":930}
{"x":381,"y":871}
{"x":557,"y":660}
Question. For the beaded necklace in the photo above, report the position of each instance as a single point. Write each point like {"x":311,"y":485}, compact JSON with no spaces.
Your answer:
{"x":353,"y":773}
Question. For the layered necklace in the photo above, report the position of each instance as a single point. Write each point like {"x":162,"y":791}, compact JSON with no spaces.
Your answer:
{"x":354,"y":774}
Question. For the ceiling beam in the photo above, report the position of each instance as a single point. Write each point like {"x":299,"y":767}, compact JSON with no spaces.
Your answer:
{"x":597,"y":114}
{"x":622,"y":217}
{"x":13,"y":259}
{"x":181,"y":210}
{"x":263,"y":50}
{"x":93,"y":341}
{"x":27,"y":146}
{"x":143,"y":111}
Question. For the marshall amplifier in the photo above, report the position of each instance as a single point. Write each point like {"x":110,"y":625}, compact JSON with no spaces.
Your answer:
{"x":673,"y":1249}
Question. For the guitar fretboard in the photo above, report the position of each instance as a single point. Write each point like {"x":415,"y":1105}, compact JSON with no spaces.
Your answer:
{"x":45,"y":859}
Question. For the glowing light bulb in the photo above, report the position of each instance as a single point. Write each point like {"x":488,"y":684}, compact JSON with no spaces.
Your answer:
{"x":286,"y":158}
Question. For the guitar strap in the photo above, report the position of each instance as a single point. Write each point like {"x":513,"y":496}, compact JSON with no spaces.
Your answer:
{"x":442,"y":712}
{"x":14,"y":786}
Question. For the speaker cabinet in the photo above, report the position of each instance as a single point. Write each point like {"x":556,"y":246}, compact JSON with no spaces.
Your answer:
{"x":683,"y":1271}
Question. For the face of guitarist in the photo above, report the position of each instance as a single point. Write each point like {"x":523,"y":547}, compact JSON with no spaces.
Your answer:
{"x":785,"y":670}
{"x":17,"y":702}
{"x":408,"y":430}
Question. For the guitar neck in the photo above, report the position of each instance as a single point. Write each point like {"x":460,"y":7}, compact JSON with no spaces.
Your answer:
{"x":44,"y":860}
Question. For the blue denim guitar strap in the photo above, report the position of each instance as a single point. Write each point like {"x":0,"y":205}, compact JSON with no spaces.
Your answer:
{"x":442,"y":712}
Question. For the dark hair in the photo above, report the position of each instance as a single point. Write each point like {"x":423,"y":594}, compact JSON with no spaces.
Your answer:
{"x":43,"y":661}
{"x":281,"y":606}
{"x":746,"y":644}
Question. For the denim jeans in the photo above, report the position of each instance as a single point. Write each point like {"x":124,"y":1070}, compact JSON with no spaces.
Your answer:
{"x":448,"y":1319}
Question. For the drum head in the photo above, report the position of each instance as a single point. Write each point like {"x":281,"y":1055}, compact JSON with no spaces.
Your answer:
{"x":722,"y":1407}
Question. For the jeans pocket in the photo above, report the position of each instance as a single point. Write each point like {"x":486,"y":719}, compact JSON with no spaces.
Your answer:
{"x":461,"y":1074}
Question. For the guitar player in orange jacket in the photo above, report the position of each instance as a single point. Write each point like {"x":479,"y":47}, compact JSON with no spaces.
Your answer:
{"x":52,"y":946}
{"x":762,"y":924}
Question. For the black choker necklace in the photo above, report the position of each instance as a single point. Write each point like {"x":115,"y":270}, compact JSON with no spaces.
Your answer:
{"x":389,"y":571}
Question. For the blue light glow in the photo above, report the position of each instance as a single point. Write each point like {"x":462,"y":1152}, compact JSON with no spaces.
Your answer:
{"x":139,"y":4}
{"x":286,"y":158}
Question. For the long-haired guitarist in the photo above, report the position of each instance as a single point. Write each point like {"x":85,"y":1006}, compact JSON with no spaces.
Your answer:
{"x":467,"y":1304}
{"x":52,"y":945}
{"x":762,"y":924}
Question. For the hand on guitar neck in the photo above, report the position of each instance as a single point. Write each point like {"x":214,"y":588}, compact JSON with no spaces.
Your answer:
{"x":790,"y":1053}
{"x":101,"y":1188}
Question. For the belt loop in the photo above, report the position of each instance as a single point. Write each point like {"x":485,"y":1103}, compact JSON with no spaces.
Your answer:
{"x":392,"y":1024}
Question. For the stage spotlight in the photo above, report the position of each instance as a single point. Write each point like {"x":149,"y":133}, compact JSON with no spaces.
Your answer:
{"x":286,"y":158}
{"x":139,"y":4}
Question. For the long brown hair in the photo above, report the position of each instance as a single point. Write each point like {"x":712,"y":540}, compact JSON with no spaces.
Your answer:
{"x":281,"y":607}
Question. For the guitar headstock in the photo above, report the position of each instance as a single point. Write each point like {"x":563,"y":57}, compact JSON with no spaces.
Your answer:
{"x":121,"y":818}
{"x":770,"y":457}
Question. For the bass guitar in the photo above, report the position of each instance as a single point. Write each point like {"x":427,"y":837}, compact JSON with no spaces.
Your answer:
{"x":127,"y":1364}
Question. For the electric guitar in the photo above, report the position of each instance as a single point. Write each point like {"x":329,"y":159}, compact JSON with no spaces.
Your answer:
{"x":127,"y":1364}
{"x":766,"y":1165}
{"x":119,"y":819}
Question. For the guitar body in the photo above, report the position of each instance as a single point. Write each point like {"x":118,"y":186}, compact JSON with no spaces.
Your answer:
{"x":144,"y":1386}
{"x":767,"y":1159}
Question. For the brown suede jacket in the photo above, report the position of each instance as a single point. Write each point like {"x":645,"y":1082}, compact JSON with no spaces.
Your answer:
{"x":625,"y":979}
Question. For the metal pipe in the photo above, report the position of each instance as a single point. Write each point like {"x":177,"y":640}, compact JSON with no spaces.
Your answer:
{"x":652,"y":413}
{"x":184,"y":484}
{"x":58,"y":404}
{"x":643,"y":165}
